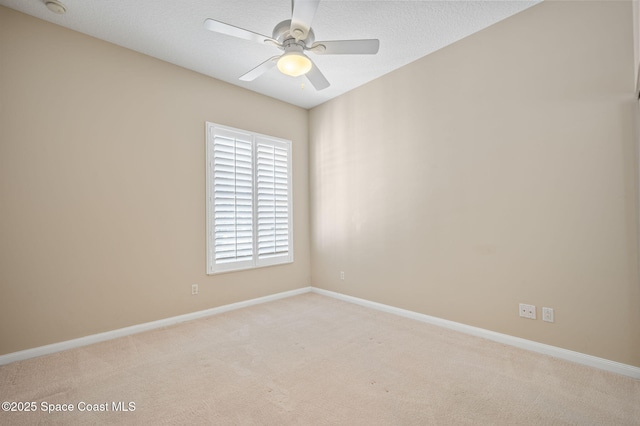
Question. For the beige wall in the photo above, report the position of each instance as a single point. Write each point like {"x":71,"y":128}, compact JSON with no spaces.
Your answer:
{"x":499,"y":170}
{"x":102,"y":185}
{"x":636,"y":40}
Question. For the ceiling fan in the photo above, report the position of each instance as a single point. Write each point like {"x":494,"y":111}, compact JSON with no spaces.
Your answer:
{"x":295,"y":37}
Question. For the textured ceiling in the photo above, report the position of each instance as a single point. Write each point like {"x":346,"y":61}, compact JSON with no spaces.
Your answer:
{"x":172,"y":31}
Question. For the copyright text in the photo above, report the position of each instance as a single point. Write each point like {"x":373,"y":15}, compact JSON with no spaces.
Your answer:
{"x":82,"y":406}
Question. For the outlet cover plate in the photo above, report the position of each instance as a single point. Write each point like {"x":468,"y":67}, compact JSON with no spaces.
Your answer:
{"x":527,"y":311}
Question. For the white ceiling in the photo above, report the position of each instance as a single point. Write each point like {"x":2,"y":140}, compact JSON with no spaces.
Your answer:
{"x":172,"y":31}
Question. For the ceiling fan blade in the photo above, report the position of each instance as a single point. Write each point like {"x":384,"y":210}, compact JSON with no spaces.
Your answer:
{"x":260,"y":69}
{"x":302,"y":16}
{"x":316,"y":78}
{"x":346,"y":47}
{"x":222,"y":28}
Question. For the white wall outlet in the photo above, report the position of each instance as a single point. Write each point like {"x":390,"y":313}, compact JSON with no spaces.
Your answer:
{"x":527,"y":311}
{"x":342,"y":275}
{"x":194,"y":288}
{"x":547,"y":314}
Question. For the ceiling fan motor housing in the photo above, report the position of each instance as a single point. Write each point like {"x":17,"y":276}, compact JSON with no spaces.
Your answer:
{"x":282,"y":33}
{"x":291,"y":45}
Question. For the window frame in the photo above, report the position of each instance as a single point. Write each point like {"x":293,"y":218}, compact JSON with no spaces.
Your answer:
{"x":213,"y":266}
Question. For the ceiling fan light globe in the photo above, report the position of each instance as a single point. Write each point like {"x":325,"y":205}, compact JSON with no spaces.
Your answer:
{"x":294,"y":64}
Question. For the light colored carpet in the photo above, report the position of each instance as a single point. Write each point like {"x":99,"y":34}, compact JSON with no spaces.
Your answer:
{"x":313,"y":360}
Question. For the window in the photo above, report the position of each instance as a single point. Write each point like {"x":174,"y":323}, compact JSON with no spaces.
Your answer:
{"x":249,"y":207}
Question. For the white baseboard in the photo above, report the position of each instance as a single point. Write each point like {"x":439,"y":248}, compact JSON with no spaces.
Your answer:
{"x":101,"y":337}
{"x":577,"y":357}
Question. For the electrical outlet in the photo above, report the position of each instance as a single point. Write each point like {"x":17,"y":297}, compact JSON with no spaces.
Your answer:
{"x":527,"y":311}
{"x":342,"y":275}
{"x":547,"y":314}
{"x":194,"y":289}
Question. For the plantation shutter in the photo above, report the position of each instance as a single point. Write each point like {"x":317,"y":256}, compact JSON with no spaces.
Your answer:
{"x":249,"y":206}
{"x":232,"y":198}
{"x":273,"y":193}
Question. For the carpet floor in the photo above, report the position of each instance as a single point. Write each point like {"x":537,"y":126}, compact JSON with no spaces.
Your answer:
{"x":311,"y":360}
